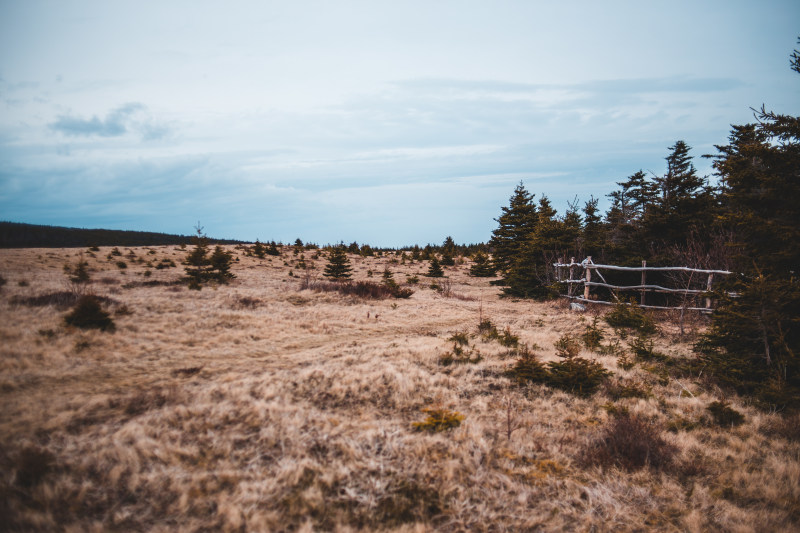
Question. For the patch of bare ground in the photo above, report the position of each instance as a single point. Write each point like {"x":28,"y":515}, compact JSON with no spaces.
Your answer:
{"x":259,"y":406}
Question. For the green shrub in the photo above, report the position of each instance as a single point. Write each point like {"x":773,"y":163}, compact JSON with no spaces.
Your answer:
{"x":527,"y":368}
{"x":88,"y":314}
{"x":593,"y":336}
{"x":460,"y":356}
{"x":643,"y":350}
{"x":439,"y":420}
{"x":460,"y":337}
{"x":628,"y":317}
{"x":574,"y":374}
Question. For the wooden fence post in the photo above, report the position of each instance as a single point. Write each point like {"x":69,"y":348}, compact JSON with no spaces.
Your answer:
{"x":644,"y":282}
{"x":708,"y":288}
{"x":570,"y":288}
{"x":588,"y":278}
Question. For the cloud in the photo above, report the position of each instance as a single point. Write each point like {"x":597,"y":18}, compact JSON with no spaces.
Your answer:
{"x":127,"y":118}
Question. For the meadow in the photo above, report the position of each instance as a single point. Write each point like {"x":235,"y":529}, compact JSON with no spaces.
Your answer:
{"x":262,"y":406}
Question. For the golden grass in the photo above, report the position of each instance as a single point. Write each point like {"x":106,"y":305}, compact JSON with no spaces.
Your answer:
{"x":257,"y":406}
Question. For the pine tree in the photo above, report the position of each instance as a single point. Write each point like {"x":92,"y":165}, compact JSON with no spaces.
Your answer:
{"x":448,"y":251}
{"x":338,"y":267}
{"x":258,"y":250}
{"x":220,"y":262}
{"x":272,"y":249}
{"x":754,"y":341}
{"x":482,"y":266}
{"x":197,"y":262}
{"x":435,"y":270}
{"x":516,"y":225}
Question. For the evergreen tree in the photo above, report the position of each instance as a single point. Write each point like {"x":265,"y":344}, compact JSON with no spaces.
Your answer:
{"x":197,"y":262}
{"x":482,"y":266}
{"x":684,"y":202}
{"x":435,"y":270}
{"x":272,"y":249}
{"x":594,"y":232}
{"x":754,"y":341}
{"x":258,"y":250}
{"x":338,"y":267}
{"x":516,"y":225}
{"x":220,"y":262}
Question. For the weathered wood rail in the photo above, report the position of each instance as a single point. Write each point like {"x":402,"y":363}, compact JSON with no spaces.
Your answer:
{"x":588,"y":267}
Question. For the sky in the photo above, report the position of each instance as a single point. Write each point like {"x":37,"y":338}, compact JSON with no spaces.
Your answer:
{"x":387,"y":123}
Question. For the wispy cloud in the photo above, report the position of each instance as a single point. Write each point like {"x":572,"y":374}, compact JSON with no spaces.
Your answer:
{"x":127,"y":118}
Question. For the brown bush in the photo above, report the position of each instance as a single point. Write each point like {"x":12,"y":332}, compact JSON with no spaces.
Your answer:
{"x":630,"y":442}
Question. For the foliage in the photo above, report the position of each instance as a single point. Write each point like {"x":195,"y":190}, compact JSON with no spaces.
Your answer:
{"x":593,"y":336}
{"x":516,"y":224}
{"x":88,"y":314}
{"x":482,"y":266}
{"x":439,"y":420}
{"x":435,"y":269}
{"x":338,"y":267}
{"x":461,"y":354}
{"x":628,"y":317}
{"x":527,"y":368}
{"x":201,"y":268}
{"x":574,"y":374}
{"x":754,"y":340}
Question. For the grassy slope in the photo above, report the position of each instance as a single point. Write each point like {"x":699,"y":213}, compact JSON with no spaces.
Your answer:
{"x":261,"y":407}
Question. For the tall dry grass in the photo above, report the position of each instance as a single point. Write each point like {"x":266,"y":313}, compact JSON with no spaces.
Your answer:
{"x":259,"y":406}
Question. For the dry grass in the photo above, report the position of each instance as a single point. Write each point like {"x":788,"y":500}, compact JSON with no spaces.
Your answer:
{"x":258,"y":406}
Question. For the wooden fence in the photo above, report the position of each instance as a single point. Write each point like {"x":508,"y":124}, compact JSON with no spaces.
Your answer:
{"x":588,"y":268}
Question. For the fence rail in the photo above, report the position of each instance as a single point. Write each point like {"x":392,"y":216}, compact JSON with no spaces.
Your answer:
{"x":588,"y":267}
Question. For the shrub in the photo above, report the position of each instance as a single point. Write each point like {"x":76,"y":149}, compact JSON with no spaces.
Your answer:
{"x":460,"y":356}
{"x":627,"y":389}
{"x":121,"y":264}
{"x":482,"y":266}
{"x":643,"y":350}
{"x":574,"y":374}
{"x":527,"y":369}
{"x":628,"y":317}
{"x":724,"y":415}
{"x":592,"y":336}
{"x":3,"y":281}
{"x":630,"y":442}
{"x":460,"y":338}
{"x":88,"y":314}
{"x":435,"y":269}
{"x":439,"y":420}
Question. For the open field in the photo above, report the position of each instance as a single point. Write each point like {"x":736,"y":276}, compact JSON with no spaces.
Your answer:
{"x":258,"y":406}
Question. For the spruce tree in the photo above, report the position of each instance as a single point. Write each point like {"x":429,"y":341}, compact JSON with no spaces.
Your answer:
{"x":516,"y":225}
{"x":220,"y":262}
{"x":435,"y":270}
{"x":258,"y":250}
{"x":754,"y":341}
{"x":338,"y":267}
{"x":482,"y":266}
{"x":197,"y":262}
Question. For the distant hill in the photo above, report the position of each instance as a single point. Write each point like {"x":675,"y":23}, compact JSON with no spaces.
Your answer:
{"x":19,"y":235}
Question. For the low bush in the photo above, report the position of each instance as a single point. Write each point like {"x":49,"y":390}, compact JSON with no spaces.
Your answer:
{"x":632,"y":443}
{"x":724,"y":415}
{"x":460,"y":355}
{"x":592,"y":336}
{"x":88,"y":314}
{"x":527,"y":369}
{"x":628,"y":317}
{"x":359,"y":289}
{"x":576,"y":375}
{"x":439,"y":420}
{"x":619,"y":389}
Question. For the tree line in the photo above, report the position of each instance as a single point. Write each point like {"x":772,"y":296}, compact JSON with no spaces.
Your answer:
{"x":748,"y":221}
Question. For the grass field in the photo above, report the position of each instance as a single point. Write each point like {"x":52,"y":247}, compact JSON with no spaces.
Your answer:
{"x":258,"y":406}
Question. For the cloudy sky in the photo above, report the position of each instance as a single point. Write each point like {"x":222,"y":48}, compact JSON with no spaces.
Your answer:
{"x":389,"y":123}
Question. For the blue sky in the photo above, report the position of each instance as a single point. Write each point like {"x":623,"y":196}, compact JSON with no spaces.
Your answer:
{"x":389,"y":123}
